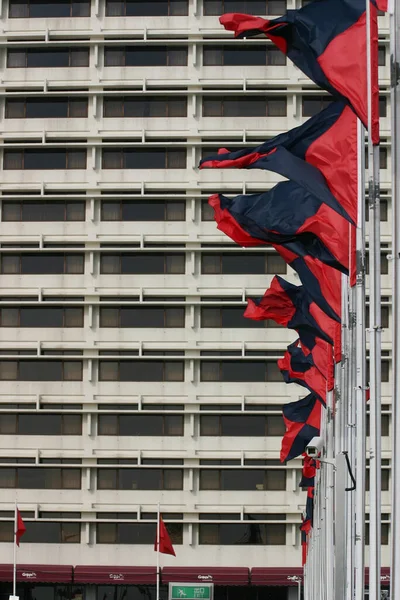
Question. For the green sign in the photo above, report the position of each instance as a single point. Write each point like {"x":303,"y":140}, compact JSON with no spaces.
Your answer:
{"x":190,"y":591}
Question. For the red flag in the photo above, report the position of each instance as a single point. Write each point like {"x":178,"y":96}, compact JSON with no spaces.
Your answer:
{"x":20,"y":527}
{"x":164,"y":543}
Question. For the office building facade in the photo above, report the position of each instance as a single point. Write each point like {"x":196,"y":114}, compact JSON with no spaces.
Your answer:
{"x":128,"y":374}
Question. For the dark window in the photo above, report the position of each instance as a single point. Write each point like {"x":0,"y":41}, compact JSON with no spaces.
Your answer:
{"x":134,"y":158}
{"x":57,"y":210}
{"x":384,"y":372}
{"x":139,"y":210}
{"x":139,"y":479}
{"x":20,"y":9}
{"x":235,"y":370}
{"x":145,"y":106}
{"x":135,"y":8}
{"x":382,"y":106}
{"x":135,"y":533}
{"x":312,"y":105}
{"x":381,"y":56}
{"x":40,"y":370}
{"x":384,"y":316}
{"x":207,"y":211}
{"x":141,"y":370}
{"x":383,"y":156}
{"x":40,"y":532}
{"x":42,"y":264}
{"x":46,"y":108}
{"x":54,"y":158}
{"x":242,"y":106}
{"x":242,"y":55}
{"x":383,"y":211}
{"x":138,"y":425}
{"x":242,"y":425}
{"x":385,"y":420}
{"x":143,"y":263}
{"x":251,"y":7}
{"x":40,"y":478}
{"x":384,"y":264}
{"x":152,"y":316}
{"x":384,"y":534}
{"x":234,"y":534}
{"x":385,"y":478}
{"x":246,"y":263}
{"x":48,"y":57}
{"x":230,"y":317}
{"x":145,"y":56}
{"x":243,"y":479}
{"x":50,"y":316}
{"x":40,"y":424}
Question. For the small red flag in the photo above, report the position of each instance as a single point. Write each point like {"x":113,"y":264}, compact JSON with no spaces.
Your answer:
{"x":20,"y":528}
{"x":164,"y":544}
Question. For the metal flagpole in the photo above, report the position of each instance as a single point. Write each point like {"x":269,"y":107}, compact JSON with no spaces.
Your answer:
{"x":395,"y":114}
{"x":15,"y":552}
{"x":360,"y":383}
{"x":158,"y":553}
{"x":374,"y":339}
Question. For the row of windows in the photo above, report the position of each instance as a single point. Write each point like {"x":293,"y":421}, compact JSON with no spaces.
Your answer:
{"x":224,"y":317}
{"x":112,"y":210}
{"x":143,"y":479}
{"x":141,"y":263}
{"x":115,"y":158}
{"x":157,"y":106}
{"x":142,"y":370}
{"x":143,"y":533}
{"x":125,"y":479}
{"x":20,"y":9}
{"x":221,"y":534}
{"x":149,"y":425}
{"x":138,"y":56}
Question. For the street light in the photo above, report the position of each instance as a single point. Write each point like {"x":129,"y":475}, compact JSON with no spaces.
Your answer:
{"x":297,"y":579}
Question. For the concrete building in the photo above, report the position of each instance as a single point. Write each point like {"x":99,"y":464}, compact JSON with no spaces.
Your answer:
{"x":128,"y":375}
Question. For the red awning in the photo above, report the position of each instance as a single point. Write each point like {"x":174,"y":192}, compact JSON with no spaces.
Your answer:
{"x":385,"y":576}
{"x":275,"y":575}
{"x":38,"y":573}
{"x":217,"y":575}
{"x":111,"y":575}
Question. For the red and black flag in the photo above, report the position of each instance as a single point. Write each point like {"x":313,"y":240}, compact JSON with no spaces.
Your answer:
{"x":305,"y":529}
{"x":291,"y":306}
{"x":322,"y":283}
{"x":288,"y":214}
{"x":297,"y":367}
{"x":327,"y":41}
{"x":310,"y":505}
{"x":303,"y":422}
{"x":310,"y":466}
{"x":327,"y":141}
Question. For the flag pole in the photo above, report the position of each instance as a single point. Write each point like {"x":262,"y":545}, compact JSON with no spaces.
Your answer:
{"x":374,"y":338}
{"x":395,"y":124}
{"x":15,"y":551}
{"x":158,"y":553}
{"x":360,"y":383}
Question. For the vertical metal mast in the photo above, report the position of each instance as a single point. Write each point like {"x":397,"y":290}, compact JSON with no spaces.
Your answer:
{"x":360,"y":372}
{"x":374,"y":339}
{"x":395,"y":119}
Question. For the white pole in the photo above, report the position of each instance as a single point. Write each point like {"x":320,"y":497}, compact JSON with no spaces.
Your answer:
{"x":299,"y":589}
{"x":395,"y":114}
{"x":329,"y":513}
{"x":374,"y":341}
{"x":359,"y":560}
{"x":15,"y":552}
{"x":158,"y":553}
